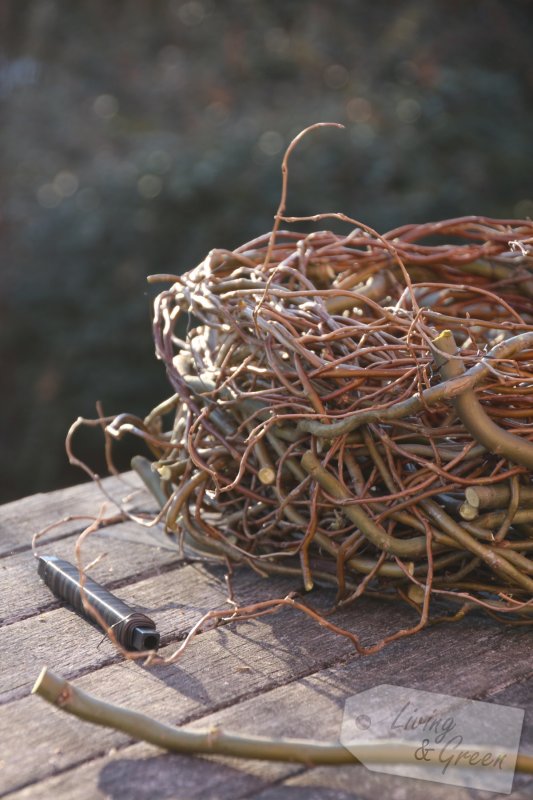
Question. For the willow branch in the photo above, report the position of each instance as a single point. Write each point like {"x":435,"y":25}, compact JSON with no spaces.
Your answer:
{"x":471,"y":412}
{"x":497,"y":496}
{"x":488,"y":554}
{"x":143,"y":467}
{"x":377,"y":535}
{"x":67,"y":697}
{"x":456,"y":385}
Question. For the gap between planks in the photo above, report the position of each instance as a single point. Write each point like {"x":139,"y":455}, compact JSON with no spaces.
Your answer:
{"x":124,"y":562}
{"x":225,"y":663}
{"x":20,"y":519}
{"x":317,"y":649}
{"x":176,"y":600}
{"x":283,"y":710}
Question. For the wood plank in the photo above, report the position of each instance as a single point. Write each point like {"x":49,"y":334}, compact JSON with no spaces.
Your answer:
{"x":322,"y":782}
{"x":230,"y":675}
{"x":292,"y":702}
{"x":175,"y":600}
{"x":20,"y":519}
{"x":131,"y":552}
{"x":137,"y":775}
{"x":229,"y":664}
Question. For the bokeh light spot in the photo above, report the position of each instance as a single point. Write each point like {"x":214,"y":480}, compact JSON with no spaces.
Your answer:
{"x":66,"y":183}
{"x":48,"y":196}
{"x":270,"y":143}
{"x":359,"y":109}
{"x":105,"y":106}
{"x":149,"y":186}
{"x":335,"y":76}
{"x":191,"y":13}
{"x":408,"y":110}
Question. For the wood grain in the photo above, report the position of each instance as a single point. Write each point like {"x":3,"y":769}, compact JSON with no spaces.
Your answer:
{"x":20,"y":519}
{"x":281,"y":674}
{"x":298,"y":704}
{"x":125,"y":557}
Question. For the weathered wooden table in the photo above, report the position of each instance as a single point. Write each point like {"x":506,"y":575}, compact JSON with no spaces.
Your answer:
{"x":279,"y":675}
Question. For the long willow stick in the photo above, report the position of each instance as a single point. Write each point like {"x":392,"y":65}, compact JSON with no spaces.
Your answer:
{"x":377,"y":535}
{"x":455,"y":384}
{"x":64,"y":695}
{"x":471,"y":412}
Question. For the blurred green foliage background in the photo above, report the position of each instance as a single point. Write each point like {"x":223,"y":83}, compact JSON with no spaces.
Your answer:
{"x":137,"y":135}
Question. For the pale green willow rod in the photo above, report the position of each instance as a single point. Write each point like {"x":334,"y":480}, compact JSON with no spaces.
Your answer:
{"x":64,"y":695}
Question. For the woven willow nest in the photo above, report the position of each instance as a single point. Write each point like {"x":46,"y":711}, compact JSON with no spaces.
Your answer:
{"x":356,"y":410}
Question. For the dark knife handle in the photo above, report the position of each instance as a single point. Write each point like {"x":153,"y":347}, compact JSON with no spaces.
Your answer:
{"x":133,"y":629}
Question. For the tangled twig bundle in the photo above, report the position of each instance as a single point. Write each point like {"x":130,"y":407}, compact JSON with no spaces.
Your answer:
{"x":356,"y":410}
